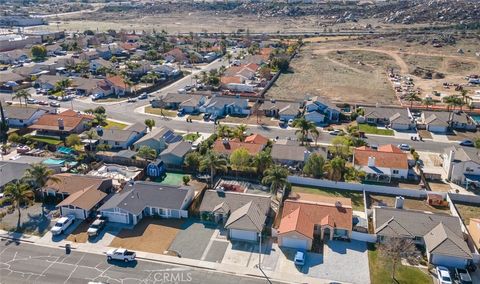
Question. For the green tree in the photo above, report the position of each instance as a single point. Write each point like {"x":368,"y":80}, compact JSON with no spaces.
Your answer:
{"x":22,"y":94}
{"x":99,"y":119}
{"x":14,"y":138}
{"x":73,"y":140}
{"x":223,"y":131}
{"x":340,"y":147}
{"x":150,"y":123}
{"x":276,"y":178}
{"x":239,"y":132}
{"x":412,"y":97}
{"x":352,"y":174}
{"x":477,"y":143}
{"x":314,"y":166}
{"x":428,"y":102}
{"x":39,"y":52}
{"x":263,"y":161}
{"x":213,"y":162}
{"x":147,"y":153}
{"x":18,"y":193}
{"x":91,"y":135}
{"x":335,"y":168}
{"x":280,"y":64}
{"x":192,"y":160}
{"x":304,"y":128}
{"x":186,"y":180}
{"x":103,"y":147}
{"x":63,"y":84}
{"x":38,"y":175}
{"x":240,"y":159}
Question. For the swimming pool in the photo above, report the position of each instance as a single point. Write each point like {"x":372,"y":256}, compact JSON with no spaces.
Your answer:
{"x":476,"y":118}
{"x":54,"y":162}
{"x":65,"y":150}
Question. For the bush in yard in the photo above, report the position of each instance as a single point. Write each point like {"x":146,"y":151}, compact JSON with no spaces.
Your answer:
{"x":186,"y":180}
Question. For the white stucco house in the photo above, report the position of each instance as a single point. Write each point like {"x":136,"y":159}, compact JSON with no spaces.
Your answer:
{"x":462,"y":165}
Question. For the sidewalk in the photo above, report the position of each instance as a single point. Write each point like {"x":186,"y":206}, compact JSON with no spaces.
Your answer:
{"x":198,"y":264}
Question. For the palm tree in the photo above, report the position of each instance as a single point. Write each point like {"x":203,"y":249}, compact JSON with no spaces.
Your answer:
{"x":63,"y":84}
{"x":22,"y":94}
{"x":412,"y":97}
{"x":229,"y":57}
{"x":262,"y":161}
{"x":91,"y":135}
{"x":99,"y":119}
{"x":239,"y":132}
{"x":39,"y":175}
{"x":214,"y":163}
{"x":147,"y":153}
{"x":276,"y":177}
{"x":223,"y":131}
{"x":335,"y":168}
{"x":465,"y":97}
{"x":18,"y":193}
{"x":428,"y":102}
{"x":304,"y":128}
{"x":150,"y":123}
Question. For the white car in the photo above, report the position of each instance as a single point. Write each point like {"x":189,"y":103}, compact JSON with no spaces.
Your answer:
{"x":290,"y":122}
{"x":121,"y":254}
{"x":404,"y":147}
{"x":62,"y":224}
{"x":443,"y":275}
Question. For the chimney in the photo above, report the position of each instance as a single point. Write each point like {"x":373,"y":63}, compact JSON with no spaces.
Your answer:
{"x":61,"y":126}
{"x":399,"y":202}
{"x":371,"y":161}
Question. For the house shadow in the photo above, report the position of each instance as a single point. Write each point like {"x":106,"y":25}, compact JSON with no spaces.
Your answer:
{"x":244,"y":246}
{"x":190,"y":222}
{"x":341,"y":247}
{"x":39,"y":223}
{"x":311,"y":259}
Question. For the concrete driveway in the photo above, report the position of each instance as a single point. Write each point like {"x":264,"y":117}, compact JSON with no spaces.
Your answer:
{"x":338,"y":257}
{"x":193,"y":238}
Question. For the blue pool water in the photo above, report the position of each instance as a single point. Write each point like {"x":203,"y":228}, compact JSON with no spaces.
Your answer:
{"x":476,"y":118}
{"x":65,"y":150}
{"x":54,"y":162}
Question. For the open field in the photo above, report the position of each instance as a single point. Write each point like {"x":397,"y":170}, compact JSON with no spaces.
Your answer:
{"x":357,"y":198}
{"x":338,"y":78}
{"x":413,"y":204}
{"x":149,"y":235}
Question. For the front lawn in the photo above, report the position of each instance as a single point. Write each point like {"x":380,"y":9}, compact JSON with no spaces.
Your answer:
{"x":191,"y":137}
{"x":372,"y":129}
{"x":380,"y":271}
{"x":44,"y":139}
{"x":160,"y":111}
{"x":357,"y":198}
{"x":112,"y":124}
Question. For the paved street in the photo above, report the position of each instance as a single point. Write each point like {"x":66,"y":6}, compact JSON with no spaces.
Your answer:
{"x":26,"y":263}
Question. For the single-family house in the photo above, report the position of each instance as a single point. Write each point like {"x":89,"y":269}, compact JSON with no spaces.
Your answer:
{"x":462,"y":165}
{"x":440,"y":234}
{"x":68,"y":184}
{"x":12,"y":82}
{"x":11,"y":171}
{"x":474,"y":230}
{"x":166,"y":71}
{"x":383,"y":164}
{"x":99,"y":63}
{"x":158,"y":139}
{"x":82,"y":203}
{"x":18,"y":116}
{"x":140,"y":199}
{"x":311,"y":215}
{"x":244,"y":215}
{"x":14,"y":56}
{"x":62,"y":124}
{"x":226,"y":147}
{"x":316,"y":105}
{"x":88,"y":55}
{"x":283,"y":110}
{"x":396,"y":118}
{"x":438,"y":121}
{"x":49,"y":82}
{"x":224,"y":105}
{"x":175,"y":55}
{"x":175,"y":152}
{"x":118,"y":85}
{"x":291,"y":154}
{"x":185,"y":102}
{"x":122,"y":138}
{"x":86,"y":86}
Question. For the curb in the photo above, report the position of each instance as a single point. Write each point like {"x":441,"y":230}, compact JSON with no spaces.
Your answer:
{"x":17,"y":239}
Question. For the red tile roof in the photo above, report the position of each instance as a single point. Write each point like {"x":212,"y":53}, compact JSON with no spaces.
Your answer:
{"x":387,"y":156}
{"x":227,"y":147}
{"x":231,"y":80}
{"x":297,"y":221}
{"x":256,"y":139}
{"x":71,"y":120}
{"x":116,"y":81}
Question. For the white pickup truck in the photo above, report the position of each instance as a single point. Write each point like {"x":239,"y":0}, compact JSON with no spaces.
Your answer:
{"x":121,"y":254}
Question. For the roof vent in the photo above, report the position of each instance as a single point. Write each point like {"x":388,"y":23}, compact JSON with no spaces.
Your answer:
{"x":338,"y":204}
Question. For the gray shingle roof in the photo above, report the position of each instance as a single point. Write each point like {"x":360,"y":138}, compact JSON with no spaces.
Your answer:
{"x":161,"y":133}
{"x":134,"y":198}
{"x":441,"y":240}
{"x":16,"y":112}
{"x":114,"y":134}
{"x":179,"y":149}
{"x":289,"y":152}
{"x":248,"y":217}
{"x":11,"y":171}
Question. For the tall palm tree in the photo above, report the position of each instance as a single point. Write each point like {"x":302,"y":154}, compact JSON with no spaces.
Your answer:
{"x":239,"y":132}
{"x":91,"y":135}
{"x":335,"y":168}
{"x":465,"y":97}
{"x":229,"y":57}
{"x":22,"y":94}
{"x":150,"y":123}
{"x":412,"y":97}
{"x":276,"y":177}
{"x":223,"y":131}
{"x":304,"y":128}
{"x":262,"y":161}
{"x":213,"y":162}
{"x":39,"y":175}
{"x":18,"y":193}
{"x":63,"y":84}
{"x":428,"y":102}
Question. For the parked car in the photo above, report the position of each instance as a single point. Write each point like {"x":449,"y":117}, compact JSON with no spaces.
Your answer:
{"x":299,"y":258}
{"x":182,"y":91}
{"x":131,"y":100}
{"x":121,"y":254}
{"x":32,"y":101}
{"x":290,"y":122}
{"x":467,"y":143}
{"x":443,"y":275}
{"x":95,"y":227}
{"x":143,"y":96}
{"x":404,"y":147}
{"x":62,"y":224}
{"x":335,"y":132}
{"x":463,"y":276}
{"x":52,"y":97}
{"x":54,"y":104}
{"x":206,"y":116}
{"x":96,"y":96}
{"x":43,"y":103}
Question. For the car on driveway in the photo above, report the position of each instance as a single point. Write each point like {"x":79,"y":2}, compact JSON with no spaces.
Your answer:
{"x":443,"y":275}
{"x":299,"y":259}
{"x":62,"y":224}
{"x":404,"y":147}
{"x":54,"y":104}
{"x":95,"y":227}
{"x":463,"y":277}
{"x":467,"y":143}
{"x":121,"y":254}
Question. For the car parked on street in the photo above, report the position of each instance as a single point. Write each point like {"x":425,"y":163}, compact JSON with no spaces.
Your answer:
{"x":121,"y":254}
{"x":467,"y":143}
{"x":443,"y":275}
{"x":62,"y":224}
{"x":43,"y":103}
{"x":143,"y":96}
{"x":54,"y":104}
{"x":32,"y":101}
{"x":132,"y":100}
{"x":404,"y":147}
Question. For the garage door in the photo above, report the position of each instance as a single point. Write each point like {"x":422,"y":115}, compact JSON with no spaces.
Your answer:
{"x":449,"y":261}
{"x":294,"y":243}
{"x":78,"y":213}
{"x":243,"y":235}
{"x":116,"y":217}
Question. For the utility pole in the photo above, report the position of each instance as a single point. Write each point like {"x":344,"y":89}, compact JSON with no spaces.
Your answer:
{"x":3,"y":126}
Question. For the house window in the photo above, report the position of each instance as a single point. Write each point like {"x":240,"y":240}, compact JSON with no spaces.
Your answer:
{"x":395,"y":172}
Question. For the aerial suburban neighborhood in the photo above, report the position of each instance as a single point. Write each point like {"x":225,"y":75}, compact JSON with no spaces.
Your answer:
{"x":240,"y":141}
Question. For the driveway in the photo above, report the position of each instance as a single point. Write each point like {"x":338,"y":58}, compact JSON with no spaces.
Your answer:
{"x":338,"y":258}
{"x":192,"y":239}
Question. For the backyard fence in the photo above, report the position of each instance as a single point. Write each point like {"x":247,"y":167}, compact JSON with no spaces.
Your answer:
{"x":364,"y":237}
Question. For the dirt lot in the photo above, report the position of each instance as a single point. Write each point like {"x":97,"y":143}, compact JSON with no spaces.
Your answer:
{"x":467,"y":212}
{"x":79,"y":235}
{"x":414,"y":204}
{"x":336,"y":76}
{"x":149,"y":235}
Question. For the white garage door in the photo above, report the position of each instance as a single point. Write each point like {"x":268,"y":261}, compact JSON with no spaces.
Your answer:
{"x":78,"y":213}
{"x":449,"y":261}
{"x":116,"y":217}
{"x":294,"y":243}
{"x":243,"y":235}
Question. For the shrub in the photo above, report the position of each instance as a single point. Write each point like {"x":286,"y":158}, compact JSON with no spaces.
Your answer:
{"x":186,"y":180}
